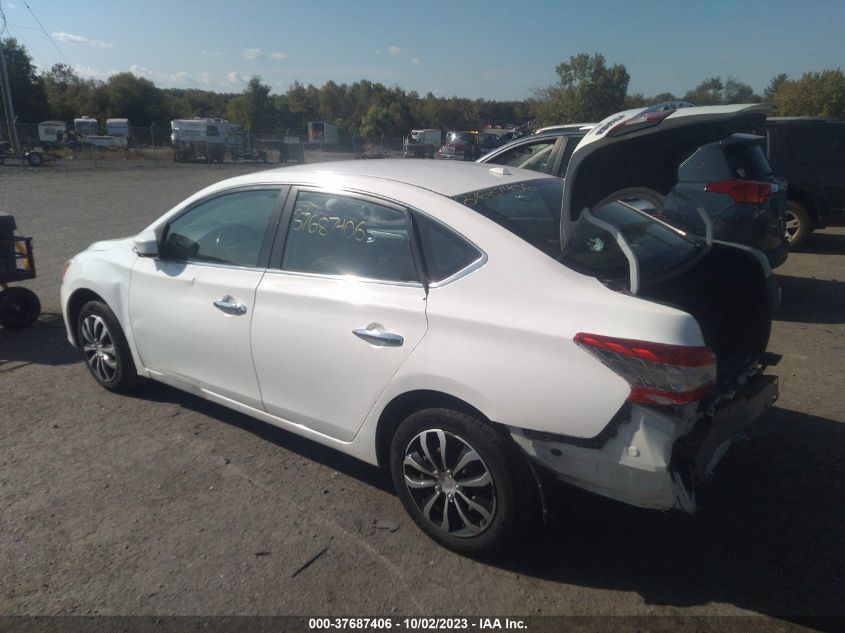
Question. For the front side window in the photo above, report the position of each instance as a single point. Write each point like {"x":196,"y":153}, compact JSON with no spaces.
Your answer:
{"x":227,"y":229}
{"x":338,"y":235}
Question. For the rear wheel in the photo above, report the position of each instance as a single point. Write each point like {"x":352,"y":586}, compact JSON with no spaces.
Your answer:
{"x":464,"y":484}
{"x":19,"y":308}
{"x":35,"y":159}
{"x":798,"y":224}
{"x":107,"y":354}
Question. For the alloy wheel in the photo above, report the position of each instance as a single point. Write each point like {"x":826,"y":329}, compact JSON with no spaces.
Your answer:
{"x":449,"y":483}
{"x":98,"y":345}
{"x":792,"y":226}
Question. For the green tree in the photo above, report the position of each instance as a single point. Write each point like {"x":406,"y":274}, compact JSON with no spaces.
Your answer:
{"x":587,"y":90}
{"x":774,"y":86}
{"x":708,"y":92}
{"x":29,"y":98}
{"x":814,"y":94}
{"x":253,"y":109}
{"x":136,"y":99}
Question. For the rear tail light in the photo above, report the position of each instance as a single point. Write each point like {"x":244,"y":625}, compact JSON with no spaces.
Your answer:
{"x":744,"y":190}
{"x":659,"y":374}
{"x":639,"y":122}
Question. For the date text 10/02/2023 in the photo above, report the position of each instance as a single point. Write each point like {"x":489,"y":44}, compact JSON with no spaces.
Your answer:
{"x":417,"y":624}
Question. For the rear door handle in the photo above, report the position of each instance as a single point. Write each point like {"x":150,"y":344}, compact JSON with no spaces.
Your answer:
{"x":228,"y":305}
{"x":384,"y":339}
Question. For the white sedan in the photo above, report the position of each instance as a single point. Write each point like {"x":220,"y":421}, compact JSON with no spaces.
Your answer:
{"x":454,"y":322}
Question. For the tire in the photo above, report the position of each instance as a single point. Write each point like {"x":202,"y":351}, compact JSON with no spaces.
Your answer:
{"x":479,"y":518}
{"x":104,"y":346}
{"x":19,"y":308}
{"x":654,"y":198}
{"x":798,"y":224}
{"x":35,"y":159}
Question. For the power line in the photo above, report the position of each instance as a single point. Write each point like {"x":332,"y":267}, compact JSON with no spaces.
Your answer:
{"x":52,"y":41}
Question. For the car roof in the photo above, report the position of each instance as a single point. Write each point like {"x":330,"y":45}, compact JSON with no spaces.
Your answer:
{"x":446,"y":178}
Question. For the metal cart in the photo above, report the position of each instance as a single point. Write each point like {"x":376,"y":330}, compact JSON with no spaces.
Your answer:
{"x":19,"y":306}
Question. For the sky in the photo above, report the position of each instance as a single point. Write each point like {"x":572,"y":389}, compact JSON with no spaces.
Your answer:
{"x":492,"y":50}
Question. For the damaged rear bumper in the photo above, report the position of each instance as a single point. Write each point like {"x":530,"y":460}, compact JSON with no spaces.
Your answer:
{"x":654,"y":457}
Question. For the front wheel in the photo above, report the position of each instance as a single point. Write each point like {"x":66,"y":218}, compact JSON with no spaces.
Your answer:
{"x":19,"y":308}
{"x":107,"y":354}
{"x":798,"y":224}
{"x":463,"y":483}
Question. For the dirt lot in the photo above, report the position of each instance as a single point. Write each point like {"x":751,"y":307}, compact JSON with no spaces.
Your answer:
{"x":162,"y":503}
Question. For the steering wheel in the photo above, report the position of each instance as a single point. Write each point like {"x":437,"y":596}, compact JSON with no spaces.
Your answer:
{"x":235,"y":239}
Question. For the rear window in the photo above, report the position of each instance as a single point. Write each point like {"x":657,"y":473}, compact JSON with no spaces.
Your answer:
{"x":659,"y":249}
{"x":748,"y":161}
{"x":529,"y":209}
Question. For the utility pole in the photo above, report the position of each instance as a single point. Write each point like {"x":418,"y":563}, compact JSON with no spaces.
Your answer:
{"x":7,"y":98}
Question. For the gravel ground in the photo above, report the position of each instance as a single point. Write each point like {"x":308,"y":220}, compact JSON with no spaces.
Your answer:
{"x":162,"y":503}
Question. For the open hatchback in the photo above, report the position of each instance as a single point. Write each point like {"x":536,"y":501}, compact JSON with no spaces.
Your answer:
{"x":686,"y":402}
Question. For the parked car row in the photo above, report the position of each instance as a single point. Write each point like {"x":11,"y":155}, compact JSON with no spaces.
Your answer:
{"x":474,"y":328}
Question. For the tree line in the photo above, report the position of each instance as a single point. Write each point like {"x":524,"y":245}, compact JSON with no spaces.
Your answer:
{"x":588,"y":89}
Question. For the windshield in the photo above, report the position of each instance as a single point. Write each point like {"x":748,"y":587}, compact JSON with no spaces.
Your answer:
{"x":461,"y":137}
{"x":658,"y":248}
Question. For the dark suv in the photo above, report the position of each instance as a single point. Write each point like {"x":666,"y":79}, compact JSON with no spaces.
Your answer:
{"x":730,"y":178}
{"x":810,"y":155}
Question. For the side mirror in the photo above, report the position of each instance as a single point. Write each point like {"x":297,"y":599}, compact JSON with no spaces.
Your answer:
{"x":146,"y":244}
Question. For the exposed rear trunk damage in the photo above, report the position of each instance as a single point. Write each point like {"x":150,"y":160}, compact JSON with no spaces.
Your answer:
{"x":727,"y":293}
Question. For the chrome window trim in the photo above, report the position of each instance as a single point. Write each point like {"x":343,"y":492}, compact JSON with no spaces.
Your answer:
{"x":194,"y":262}
{"x":463,"y":272}
{"x":469,"y":268}
{"x":354,"y":278}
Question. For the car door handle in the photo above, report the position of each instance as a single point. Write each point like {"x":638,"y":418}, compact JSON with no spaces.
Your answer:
{"x":228,"y":305}
{"x":385,"y":339}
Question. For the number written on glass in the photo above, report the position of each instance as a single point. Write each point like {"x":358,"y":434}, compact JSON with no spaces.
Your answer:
{"x":323,"y":225}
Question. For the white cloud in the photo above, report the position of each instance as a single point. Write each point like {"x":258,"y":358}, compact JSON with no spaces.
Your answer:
{"x":70,"y":38}
{"x":415,"y":61}
{"x":235,"y":78}
{"x":88,"y":72}
{"x":393,"y":51}
{"x":207,"y":53}
{"x":257,"y":53}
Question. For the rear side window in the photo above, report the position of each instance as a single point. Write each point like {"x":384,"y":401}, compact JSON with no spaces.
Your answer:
{"x":444,"y":252}
{"x":823,"y":145}
{"x":748,"y":161}
{"x":338,"y":235}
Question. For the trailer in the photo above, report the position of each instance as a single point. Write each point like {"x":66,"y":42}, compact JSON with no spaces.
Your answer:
{"x":422,"y":143}
{"x":322,"y":133}
{"x":19,"y":306}
{"x":119,"y":128}
{"x":87,"y":133}
{"x":51,"y":132}
{"x":205,"y":139}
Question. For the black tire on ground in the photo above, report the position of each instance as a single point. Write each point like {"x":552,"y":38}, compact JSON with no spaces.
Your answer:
{"x":35,"y":159}
{"x":477,"y":518}
{"x":798,"y":224}
{"x":19,"y":307}
{"x":103,"y":343}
